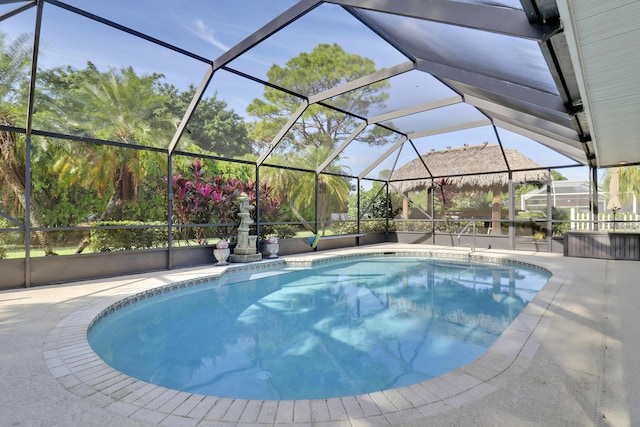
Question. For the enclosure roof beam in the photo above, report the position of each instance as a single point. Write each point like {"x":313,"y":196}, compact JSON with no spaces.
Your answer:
{"x":342,"y":146}
{"x":463,"y":126}
{"x":554,"y":118}
{"x":127,"y":30}
{"x":416,"y":109}
{"x":363,"y":81}
{"x":197,"y":96}
{"x":556,"y":143}
{"x":493,"y":85}
{"x":530,"y":121}
{"x":31,"y":100}
{"x":275,"y":25}
{"x":17,"y":10}
{"x":380,"y":159}
{"x":283,"y":132}
{"x":501,"y":20}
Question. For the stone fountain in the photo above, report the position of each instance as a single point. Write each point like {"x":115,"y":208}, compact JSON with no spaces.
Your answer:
{"x":245,"y":250}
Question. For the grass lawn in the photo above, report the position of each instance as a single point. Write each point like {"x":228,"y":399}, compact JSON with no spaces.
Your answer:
{"x":37,"y":252}
{"x":18,"y":253}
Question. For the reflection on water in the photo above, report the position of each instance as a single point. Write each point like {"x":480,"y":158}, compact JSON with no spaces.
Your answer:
{"x":341,"y":328}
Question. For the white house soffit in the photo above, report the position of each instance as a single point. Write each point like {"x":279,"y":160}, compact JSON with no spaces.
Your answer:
{"x":481,"y":17}
{"x":603,"y":41}
{"x":568,"y":22}
{"x":416,"y":109}
{"x":363,"y":81}
{"x":431,"y":132}
{"x":276,"y":24}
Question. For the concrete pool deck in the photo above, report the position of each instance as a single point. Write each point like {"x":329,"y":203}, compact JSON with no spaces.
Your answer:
{"x":571,"y":358}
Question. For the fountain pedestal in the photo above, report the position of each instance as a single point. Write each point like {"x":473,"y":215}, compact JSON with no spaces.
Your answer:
{"x":246,"y":253}
{"x":245,"y":250}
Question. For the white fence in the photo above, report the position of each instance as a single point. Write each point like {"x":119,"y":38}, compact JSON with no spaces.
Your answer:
{"x":623,"y":221}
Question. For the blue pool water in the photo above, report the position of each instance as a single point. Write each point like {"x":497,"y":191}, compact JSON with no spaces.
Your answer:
{"x":334,"y":329}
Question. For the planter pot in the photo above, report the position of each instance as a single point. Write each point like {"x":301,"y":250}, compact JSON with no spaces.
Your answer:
{"x":222,"y":255}
{"x":272,"y":249}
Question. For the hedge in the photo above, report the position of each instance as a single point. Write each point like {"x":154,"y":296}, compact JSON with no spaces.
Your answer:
{"x":151,"y":235}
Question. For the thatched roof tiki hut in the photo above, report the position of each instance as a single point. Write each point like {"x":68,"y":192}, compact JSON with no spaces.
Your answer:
{"x":478,"y":167}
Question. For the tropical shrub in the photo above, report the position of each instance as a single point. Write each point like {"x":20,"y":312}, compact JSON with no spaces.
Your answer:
{"x":538,"y":219}
{"x":3,"y":238}
{"x":202,"y":200}
{"x":121,"y":239}
{"x":366,"y":226}
{"x":281,"y":231}
{"x":413,"y":225}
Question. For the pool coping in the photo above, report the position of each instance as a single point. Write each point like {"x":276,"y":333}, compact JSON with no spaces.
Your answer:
{"x":75,"y":365}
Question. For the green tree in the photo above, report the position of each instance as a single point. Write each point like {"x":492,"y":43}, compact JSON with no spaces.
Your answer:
{"x":326,"y":67}
{"x":120,"y":106}
{"x":116,"y":105}
{"x":15,"y":60}
{"x":298,"y":189}
{"x":213,"y":126}
{"x":629,"y":182}
{"x":316,"y":134}
{"x":373,"y":206}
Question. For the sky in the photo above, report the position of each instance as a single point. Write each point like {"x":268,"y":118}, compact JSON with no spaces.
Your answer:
{"x":69,"y":39}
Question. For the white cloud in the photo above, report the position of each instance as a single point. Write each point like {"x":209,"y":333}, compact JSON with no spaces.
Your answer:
{"x":207,"y":34}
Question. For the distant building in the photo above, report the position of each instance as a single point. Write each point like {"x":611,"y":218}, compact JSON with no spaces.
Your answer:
{"x":570,"y":194}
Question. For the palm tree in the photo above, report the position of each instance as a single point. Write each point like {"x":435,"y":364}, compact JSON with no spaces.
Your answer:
{"x":629,"y":181}
{"x":298,"y":190}
{"x":317,"y":132}
{"x":119,"y":106}
{"x":15,"y":60}
{"x":123,"y":107}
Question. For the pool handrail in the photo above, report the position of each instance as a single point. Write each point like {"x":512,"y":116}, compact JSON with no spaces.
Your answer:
{"x":472,"y":223}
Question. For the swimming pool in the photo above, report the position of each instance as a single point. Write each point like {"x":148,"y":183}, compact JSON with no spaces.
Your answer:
{"x":329,"y":329}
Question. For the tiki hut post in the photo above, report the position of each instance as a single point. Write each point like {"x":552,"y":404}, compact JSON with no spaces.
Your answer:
{"x":496,"y":210}
{"x":405,"y":205}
